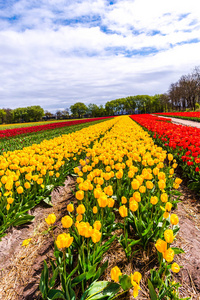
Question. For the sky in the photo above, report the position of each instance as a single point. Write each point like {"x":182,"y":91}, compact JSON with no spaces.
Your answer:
{"x":54,"y":53}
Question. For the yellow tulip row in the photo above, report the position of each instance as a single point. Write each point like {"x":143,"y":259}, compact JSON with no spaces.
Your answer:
{"x":27,"y":172}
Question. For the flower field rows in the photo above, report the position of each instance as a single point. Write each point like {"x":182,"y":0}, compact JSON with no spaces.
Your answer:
{"x":27,"y":176}
{"x":7,"y":133}
{"x":30,"y":124}
{"x":18,"y":142}
{"x":193,"y":116}
{"x":182,"y":141}
{"x":122,"y":185}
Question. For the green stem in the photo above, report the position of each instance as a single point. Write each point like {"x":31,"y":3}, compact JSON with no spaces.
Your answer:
{"x":120,"y":294}
{"x":152,"y":212}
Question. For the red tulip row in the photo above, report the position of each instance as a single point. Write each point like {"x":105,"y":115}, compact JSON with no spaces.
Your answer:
{"x":23,"y":130}
{"x":182,"y":141}
{"x":194,"y":116}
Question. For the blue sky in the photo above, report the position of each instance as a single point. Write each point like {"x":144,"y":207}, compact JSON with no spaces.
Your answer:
{"x":57,"y":52}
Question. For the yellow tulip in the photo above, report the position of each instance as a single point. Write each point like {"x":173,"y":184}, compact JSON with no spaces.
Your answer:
{"x":67,"y":222}
{"x":175,"y":268}
{"x":161,"y":245}
{"x":79,"y":195}
{"x":169,"y":255}
{"x":70,"y":207}
{"x":174,"y":219}
{"x":51,"y":219}
{"x":80,"y":209}
{"x":169,"y":237}
{"x":64,"y":240}
{"x":115,"y":274}
{"x":123,"y":211}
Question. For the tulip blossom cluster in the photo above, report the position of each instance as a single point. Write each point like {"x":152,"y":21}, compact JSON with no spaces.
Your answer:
{"x":119,"y":170}
{"x":135,"y":279}
{"x":26,"y":175}
{"x":182,"y":141}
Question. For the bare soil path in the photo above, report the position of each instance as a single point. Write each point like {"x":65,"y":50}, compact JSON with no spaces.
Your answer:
{"x":182,"y":122}
{"x":21,"y":267}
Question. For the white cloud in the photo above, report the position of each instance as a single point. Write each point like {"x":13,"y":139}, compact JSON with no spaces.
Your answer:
{"x":47,"y":60}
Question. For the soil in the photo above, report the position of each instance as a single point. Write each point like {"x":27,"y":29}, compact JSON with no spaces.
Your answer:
{"x":21,"y":267}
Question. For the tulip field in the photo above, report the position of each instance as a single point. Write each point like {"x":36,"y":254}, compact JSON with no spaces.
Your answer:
{"x":193,"y":116}
{"x":182,"y":141}
{"x":126,"y":190}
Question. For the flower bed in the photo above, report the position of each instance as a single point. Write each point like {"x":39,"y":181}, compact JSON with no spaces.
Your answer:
{"x":122,"y":186}
{"x":182,"y":141}
{"x":7,"y":133}
{"x":192,"y":116}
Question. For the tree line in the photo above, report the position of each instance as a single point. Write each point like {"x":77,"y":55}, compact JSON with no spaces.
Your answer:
{"x":128,"y":105}
{"x":183,"y":94}
{"x":21,"y":114}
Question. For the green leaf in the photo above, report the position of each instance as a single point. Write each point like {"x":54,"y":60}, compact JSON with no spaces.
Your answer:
{"x":27,"y":206}
{"x":72,"y":293}
{"x":152,"y":291}
{"x":175,"y":192}
{"x":53,"y":278}
{"x":111,"y":290}
{"x":177,"y":250}
{"x":101,"y":290}
{"x":94,"y":288}
{"x":52,"y":265}
{"x":125,"y":282}
{"x":148,"y":229}
{"x":55,"y":294}
{"x":100,"y":271}
{"x":24,"y":218}
{"x":78,"y":279}
{"x":175,"y":229}
{"x":91,"y":272}
{"x":44,"y":280}
{"x":134,"y":242}
{"x":47,"y":200}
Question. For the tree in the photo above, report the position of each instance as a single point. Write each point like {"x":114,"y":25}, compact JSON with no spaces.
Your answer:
{"x":2,"y":114}
{"x":65,"y":113}
{"x":110,"y":108}
{"x":8,"y":118}
{"x":78,"y":109}
{"x":58,"y":114}
{"x":34,"y":113}
{"x":101,"y":111}
{"x":20,"y":114}
{"x":48,"y":114}
{"x":130,"y":104}
{"x":93,"y":110}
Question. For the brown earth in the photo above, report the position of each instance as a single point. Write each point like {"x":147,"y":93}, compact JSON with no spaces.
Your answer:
{"x":20,"y":267}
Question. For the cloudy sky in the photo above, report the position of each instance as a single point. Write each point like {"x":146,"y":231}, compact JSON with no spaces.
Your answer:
{"x":54,"y":53}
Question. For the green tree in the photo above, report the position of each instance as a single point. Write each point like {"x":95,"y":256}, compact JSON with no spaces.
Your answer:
{"x":101,"y":111}
{"x":34,"y":113}
{"x":20,"y":114}
{"x":78,"y":109}
{"x":93,"y":110}
{"x":110,"y":108}
{"x":130,"y":104}
{"x":2,"y":114}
